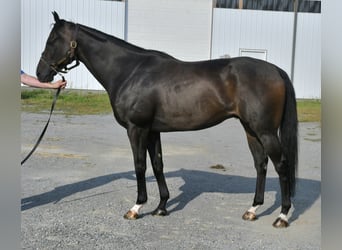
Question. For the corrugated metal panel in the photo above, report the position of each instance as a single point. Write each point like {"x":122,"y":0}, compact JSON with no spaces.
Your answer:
{"x":271,"y":31}
{"x":107,"y":16}
{"x":307,"y":71}
{"x":179,"y":28}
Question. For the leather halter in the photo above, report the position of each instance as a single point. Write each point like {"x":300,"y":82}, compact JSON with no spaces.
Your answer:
{"x":67,"y":58}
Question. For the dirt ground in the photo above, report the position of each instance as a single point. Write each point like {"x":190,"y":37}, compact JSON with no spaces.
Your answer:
{"x":80,"y":182}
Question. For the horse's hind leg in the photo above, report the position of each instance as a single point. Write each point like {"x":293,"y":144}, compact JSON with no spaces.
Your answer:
{"x":155,"y":152}
{"x":272,"y":147}
{"x":260,"y":163}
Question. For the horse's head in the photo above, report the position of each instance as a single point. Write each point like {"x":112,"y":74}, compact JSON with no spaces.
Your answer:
{"x":60,"y":50}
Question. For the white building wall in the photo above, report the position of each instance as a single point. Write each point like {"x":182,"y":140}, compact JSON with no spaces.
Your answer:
{"x":272,"y":32}
{"x":181,"y":28}
{"x":36,"y":24}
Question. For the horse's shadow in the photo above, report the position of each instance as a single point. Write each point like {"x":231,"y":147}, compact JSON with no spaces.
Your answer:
{"x":198,"y":182}
{"x":195,"y":183}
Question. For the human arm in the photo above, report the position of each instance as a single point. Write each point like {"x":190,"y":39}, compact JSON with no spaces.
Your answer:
{"x":34,"y":82}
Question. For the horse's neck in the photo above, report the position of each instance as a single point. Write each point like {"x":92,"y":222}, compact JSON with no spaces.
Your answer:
{"x":107,"y":61}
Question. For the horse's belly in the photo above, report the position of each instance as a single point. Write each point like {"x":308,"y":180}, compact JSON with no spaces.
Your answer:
{"x":187,"y":121}
{"x":194,"y":107}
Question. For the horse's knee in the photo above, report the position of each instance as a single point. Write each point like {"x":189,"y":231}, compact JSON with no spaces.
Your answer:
{"x":261,"y":168}
{"x":140,"y":170}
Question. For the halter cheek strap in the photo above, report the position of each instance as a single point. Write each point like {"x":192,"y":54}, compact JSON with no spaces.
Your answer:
{"x":73,"y":46}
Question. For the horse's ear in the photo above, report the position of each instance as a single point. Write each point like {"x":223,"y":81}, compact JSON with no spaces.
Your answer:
{"x":55,"y":16}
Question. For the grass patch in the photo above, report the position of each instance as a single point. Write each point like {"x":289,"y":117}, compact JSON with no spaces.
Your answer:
{"x":72,"y":102}
{"x":69,"y":102}
{"x":309,"y":110}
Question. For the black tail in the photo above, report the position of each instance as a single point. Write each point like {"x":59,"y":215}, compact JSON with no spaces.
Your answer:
{"x":289,"y":132}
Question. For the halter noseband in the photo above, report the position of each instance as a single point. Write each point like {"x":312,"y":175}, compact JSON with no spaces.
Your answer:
{"x":69,"y":56}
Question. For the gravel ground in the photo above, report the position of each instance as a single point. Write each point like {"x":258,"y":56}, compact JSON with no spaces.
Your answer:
{"x":80,"y":182}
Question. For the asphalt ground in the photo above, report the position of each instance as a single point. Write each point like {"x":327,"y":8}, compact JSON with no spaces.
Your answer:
{"x":80,"y":182}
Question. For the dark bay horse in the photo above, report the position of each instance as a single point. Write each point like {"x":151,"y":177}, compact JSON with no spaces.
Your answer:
{"x":151,"y":92}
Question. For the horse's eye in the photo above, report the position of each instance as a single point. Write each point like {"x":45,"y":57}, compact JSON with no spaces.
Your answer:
{"x":52,"y":38}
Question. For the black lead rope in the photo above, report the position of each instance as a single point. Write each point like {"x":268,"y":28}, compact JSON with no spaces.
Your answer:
{"x":46,"y":125}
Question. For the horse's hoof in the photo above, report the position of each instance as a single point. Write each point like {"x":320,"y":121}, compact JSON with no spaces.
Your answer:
{"x":130,"y":215}
{"x":159,"y":212}
{"x":249,"y":216}
{"x":280,"y":223}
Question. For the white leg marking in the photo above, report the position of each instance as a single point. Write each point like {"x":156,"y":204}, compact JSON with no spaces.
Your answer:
{"x":136,"y":208}
{"x":283,"y":217}
{"x":253,"y":209}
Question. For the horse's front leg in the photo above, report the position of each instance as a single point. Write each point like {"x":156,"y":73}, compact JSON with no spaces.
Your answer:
{"x":138,"y":139}
{"x":155,"y":152}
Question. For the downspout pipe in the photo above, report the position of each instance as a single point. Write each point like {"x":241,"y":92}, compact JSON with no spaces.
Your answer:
{"x":295,"y":17}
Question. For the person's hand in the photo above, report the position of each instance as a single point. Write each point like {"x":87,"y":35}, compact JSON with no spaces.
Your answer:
{"x":58,"y":84}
